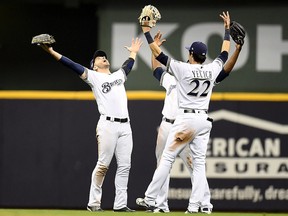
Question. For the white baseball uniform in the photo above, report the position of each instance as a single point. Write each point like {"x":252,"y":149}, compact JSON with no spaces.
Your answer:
{"x":192,"y":126}
{"x":169,"y":112}
{"x":113,"y":132}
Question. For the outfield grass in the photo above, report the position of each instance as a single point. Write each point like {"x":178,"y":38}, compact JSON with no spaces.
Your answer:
{"x":49,"y":212}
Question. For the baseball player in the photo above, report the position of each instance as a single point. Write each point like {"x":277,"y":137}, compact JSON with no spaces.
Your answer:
{"x":192,"y":126}
{"x":169,"y":113}
{"x":113,"y":130}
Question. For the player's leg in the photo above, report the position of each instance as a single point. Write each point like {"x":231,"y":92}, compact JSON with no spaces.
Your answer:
{"x":206,"y":206}
{"x":123,"y":157}
{"x":172,"y":148}
{"x":162,"y":198}
{"x":186,"y":156}
{"x":162,"y":136}
{"x":106,"y":139}
{"x":198,"y":147}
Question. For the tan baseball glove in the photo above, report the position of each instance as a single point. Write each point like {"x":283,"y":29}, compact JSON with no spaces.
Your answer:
{"x":149,"y":16}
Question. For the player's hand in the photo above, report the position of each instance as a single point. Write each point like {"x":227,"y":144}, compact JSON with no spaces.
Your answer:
{"x":145,"y":29}
{"x":46,"y":47}
{"x":158,"y":39}
{"x":238,"y":47}
{"x":135,"y":45}
{"x":226,"y":19}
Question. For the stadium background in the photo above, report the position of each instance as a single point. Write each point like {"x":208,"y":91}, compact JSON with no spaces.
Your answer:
{"x":46,"y":162}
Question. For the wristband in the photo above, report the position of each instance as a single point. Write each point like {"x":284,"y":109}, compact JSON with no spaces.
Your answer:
{"x":148,"y":37}
{"x":227,"y":34}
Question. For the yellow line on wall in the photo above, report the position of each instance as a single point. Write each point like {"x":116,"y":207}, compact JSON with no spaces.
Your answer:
{"x":136,"y":95}
{"x":250,"y":96}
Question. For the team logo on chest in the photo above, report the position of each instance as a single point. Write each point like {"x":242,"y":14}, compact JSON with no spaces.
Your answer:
{"x":106,"y":87}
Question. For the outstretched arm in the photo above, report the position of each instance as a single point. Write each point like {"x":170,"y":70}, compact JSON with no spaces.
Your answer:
{"x":226,"y":41}
{"x":50,"y":50}
{"x":155,"y":49}
{"x":232,"y":60}
{"x":79,"y":69}
{"x":159,"y":41}
{"x":229,"y":64}
{"x":134,"y":48}
{"x":156,"y":65}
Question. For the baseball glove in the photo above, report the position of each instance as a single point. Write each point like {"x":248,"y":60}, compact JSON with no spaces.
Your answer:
{"x":237,"y":32}
{"x":43,"y":39}
{"x":149,"y":16}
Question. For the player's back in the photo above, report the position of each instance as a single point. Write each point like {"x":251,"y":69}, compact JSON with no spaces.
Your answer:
{"x":195,"y":82}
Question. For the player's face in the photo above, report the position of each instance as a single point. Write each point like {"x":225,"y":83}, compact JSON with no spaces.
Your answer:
{"x":101,"y":62}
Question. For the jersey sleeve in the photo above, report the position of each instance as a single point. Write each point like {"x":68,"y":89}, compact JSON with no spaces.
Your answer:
{"x":128,"y":65}
{"x":221,"y":76}
{"x":87,"y":77}
{"x":166,"y":80}
{"x":176,"y":68}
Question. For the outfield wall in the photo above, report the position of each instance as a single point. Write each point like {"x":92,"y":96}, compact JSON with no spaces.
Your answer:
{"x":47,"y":139}
{"x":262,"y":65}
{"x":48,"y":151}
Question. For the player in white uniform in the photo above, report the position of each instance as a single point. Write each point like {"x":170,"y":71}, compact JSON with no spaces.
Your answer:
{"x":113,"y":131}
{"x":169,"y":113}
{"x":192,"y":126}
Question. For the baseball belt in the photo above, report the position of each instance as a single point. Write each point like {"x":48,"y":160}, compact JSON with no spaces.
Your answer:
{"x":124,"y":120}
{"x":169,"y":120}
{"x":195,"y":111}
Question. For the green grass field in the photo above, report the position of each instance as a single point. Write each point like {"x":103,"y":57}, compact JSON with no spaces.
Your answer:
{"x":49,"y":212}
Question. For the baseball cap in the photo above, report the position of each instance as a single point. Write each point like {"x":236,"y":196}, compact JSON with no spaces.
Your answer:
{"x":97,"y":53}
{"x":197,"y":48}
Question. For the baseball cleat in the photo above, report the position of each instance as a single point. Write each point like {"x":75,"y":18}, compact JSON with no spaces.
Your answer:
{"x":124,"y":209}
{"x":141,"y":202}
{"x":206,"y":210}
{"x":94,"y":208}
{"x":190,"y":212}
{"x":159,"y":210}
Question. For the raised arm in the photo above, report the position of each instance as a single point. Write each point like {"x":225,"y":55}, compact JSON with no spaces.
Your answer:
{"x":232,"y":60}
{"x":155,"y":49}
{"x":229,"y":64}
{"x":50,"y":50}
{"x":226,"y":41}
{"x":79,"y":69}
{"x":156,"y":65}
{"x":159,"y":41}
{"x":133,"y":49}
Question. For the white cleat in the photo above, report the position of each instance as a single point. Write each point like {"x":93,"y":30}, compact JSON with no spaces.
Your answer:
{"x":141,"y":202}
{"x":159,"y":210}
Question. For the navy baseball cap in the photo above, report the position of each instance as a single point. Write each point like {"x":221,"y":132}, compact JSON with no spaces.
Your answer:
{"x":97,"y":53}
{"x":198,"y":48}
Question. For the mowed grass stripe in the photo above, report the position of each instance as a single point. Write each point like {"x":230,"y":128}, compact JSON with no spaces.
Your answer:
{"x":58,"y":212}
